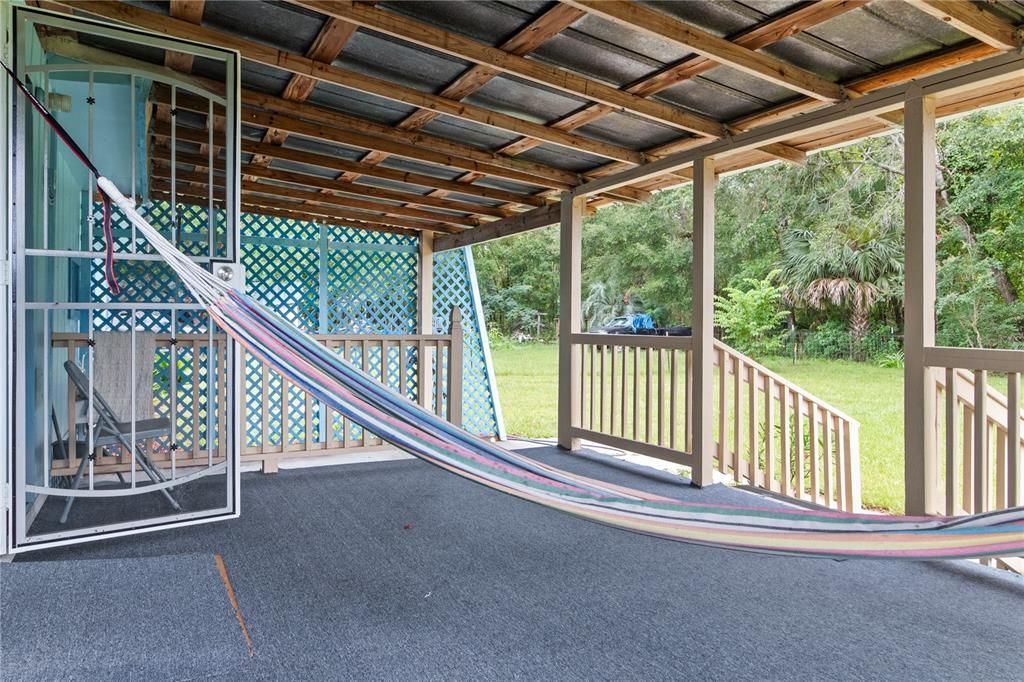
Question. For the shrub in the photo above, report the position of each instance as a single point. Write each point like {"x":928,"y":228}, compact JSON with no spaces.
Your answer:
{"x":828,"y":340}
{"x":750,"y":317}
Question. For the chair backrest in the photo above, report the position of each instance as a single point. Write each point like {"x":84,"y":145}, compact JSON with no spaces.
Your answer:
{"x":80,"y":379}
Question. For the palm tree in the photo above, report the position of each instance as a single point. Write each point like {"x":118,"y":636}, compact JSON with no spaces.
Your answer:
{"x":853,"y":267}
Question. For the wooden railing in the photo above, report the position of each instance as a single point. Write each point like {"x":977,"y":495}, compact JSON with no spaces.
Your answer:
{"x":978,"y":429}
{"x":407,"y":363}
{"x":635,"y":394}
{"x":182,"y":393}
{"x":426,"y":368}
{"x":978,"y":434}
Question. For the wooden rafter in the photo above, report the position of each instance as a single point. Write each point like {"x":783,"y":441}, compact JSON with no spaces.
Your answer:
{"x":533,"y":35}
{"x":192,"y":12}
{"x":315,"y":202}
{"x":760,"y":35}
{"x":637,"y":17}
{"x":279,"y":59}
{"x":326,"y":47}
{"x":427,"y":35}
{"x":974,"y":20}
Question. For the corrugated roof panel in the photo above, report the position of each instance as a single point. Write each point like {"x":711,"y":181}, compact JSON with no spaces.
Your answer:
{"x":487,"y":22}
{"x":527,"y":101}
{"x":264,"y":22}
{"x":381,"y":56}
{"x":885,"y":38}
{"x":469,"y":132}
{"x":359,"y":104}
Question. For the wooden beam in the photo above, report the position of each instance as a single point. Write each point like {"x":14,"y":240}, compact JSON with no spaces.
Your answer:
{"x":570,"y":268}
{"x":439,"y":221}
{"x":342,"y":165}
{"x":279,"y":59}
{"x":703,"y":273}
{"x":162,"y":160}
{"x":425,"y":284}
{"x":762,"y":34}
{"x":526,"y":40}
{"x":304,"y":118}
{"x":637,"y":17}
{"x":921,"y":458}
{"x":507,"y":227}
{"x":974,"y":20}
{"x":192,"y":12}
{"x":429,"y":36}
{"x":326,"y":47}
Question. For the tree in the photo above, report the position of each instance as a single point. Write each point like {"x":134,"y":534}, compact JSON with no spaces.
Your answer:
{"x":750,"y":315}
{"x":852,"y":267}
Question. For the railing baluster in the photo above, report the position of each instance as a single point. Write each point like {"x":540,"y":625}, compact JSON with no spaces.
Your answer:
{"x":636,"y":391}
{"x":673,"y":388}
{"x":842,"y":483}
{"x":848,"y":474}
{"x":999,"y":494}
{"x":812,"y":455}
{"x":769,"y":433}
{"x":688,"y":406}
{"x":601,"y":389}
{"x":647,"y":406}
{"x":622,"y":392}
{"x":661,"y":398}
{"x":1013,"y":459}
{"x":784,"y":437}
{"x":952,"y":427}
{"x":723,"y":441}
{"x":798,"y":445}
{"x":752,"y":422}
{"x":981,"y":454}
{"x":826,"y":464}
{"x":737,"y":421}
{"x":967,"y":455}
{"x":613,"y":390}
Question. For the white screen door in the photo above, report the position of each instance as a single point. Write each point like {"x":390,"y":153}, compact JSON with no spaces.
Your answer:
{"x":124,"y":413}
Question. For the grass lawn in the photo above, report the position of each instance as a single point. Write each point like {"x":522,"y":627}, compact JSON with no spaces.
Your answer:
{"x":527,"y":383}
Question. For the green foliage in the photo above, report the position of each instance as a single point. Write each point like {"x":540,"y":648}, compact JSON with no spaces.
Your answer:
{"x":893,"y":360}
{"x":750,"y":317}
{"x":828,"y":340}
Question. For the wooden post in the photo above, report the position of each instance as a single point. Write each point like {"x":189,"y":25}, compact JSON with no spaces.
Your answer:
{"x":570,"y":273}
{"x":455,"y":368}
{"x":703,"y":319}
{"x":425,"y":284}
{"x":920,"y":456}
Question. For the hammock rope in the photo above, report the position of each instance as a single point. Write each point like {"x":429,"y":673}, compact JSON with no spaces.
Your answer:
{"x":357,"y":396}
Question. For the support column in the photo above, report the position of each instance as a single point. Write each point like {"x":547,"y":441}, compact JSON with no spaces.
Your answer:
{"x":703,"y":321}
{"x":920,"y":454}
{"x":425,"y":285}
{"x":570,"y":273}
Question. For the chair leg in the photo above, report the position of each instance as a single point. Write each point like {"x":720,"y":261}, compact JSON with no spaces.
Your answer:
{"x":74,"y":486}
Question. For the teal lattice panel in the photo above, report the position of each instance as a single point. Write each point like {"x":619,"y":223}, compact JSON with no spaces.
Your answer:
{"x":453,"y":286}
{"x":369,"y":279}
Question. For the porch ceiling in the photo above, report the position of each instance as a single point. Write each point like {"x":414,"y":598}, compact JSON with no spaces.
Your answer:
{"x":448,"y":116}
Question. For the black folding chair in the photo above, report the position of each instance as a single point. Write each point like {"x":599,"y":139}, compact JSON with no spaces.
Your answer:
{"x":109,"y":430}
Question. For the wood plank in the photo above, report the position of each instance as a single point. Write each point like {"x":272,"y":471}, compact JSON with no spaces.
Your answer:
{"x":637,"y":17}
{"x":456,"y":45}
{"x":771,"y":30}
{"x":192,"y":12}
{"x":506,"y":227}
{"x":279,"y":59}
{"x":974,"y":20}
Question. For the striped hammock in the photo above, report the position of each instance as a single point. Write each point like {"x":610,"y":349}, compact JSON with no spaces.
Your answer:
{"x":394,"y":418}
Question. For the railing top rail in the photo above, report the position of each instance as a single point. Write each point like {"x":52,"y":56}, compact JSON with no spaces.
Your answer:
{"x":990,"y":359}
{"x":62,"y":338}
{"x":166,"y":337}
{"x":633,"y":341}
{"x":777,"y":378}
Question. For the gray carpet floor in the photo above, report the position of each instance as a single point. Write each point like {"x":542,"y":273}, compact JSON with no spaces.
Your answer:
{"x":400,"y":571}
{"x":116,"y":619}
